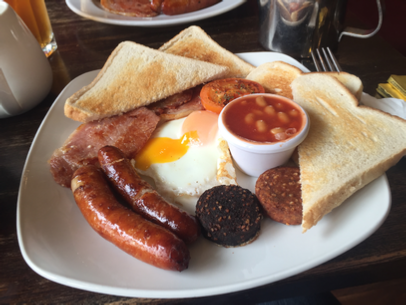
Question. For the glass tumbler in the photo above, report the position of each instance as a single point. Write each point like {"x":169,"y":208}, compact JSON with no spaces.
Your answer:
{"x":35,"y":16}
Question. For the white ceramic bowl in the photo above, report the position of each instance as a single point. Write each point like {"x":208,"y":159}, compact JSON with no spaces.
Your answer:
{"x":254,"y":158}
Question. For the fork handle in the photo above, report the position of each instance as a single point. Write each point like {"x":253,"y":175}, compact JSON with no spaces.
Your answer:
{"x":361,"y":33}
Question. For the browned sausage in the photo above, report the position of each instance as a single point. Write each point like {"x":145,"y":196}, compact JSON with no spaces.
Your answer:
{"x":175,"y":7}
{"x":143,"y":199}
{"x":130,"y":232}
{"x":156,"y":5}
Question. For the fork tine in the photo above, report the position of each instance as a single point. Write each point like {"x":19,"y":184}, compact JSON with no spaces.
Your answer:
{"x":334,"y":59}
{"x":327,"y":58}
{"x":316,"y":63}
{"x":321,"y":60}
{"x":325,"y":61}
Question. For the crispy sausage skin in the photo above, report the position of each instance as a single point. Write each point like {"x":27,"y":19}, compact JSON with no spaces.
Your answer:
{"x":143,"y":199}
{"x":129,"y":231}
{"x":175,"y":7}
{"x":156,"y":5}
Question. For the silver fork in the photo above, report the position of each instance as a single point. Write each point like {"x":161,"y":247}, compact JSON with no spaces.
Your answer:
{"x":325,"y":60}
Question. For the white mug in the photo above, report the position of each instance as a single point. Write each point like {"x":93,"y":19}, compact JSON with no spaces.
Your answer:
{"x":25,"y":73}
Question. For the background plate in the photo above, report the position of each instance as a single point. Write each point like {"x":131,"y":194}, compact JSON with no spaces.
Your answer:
{"x":91,"y":9}
{"x":57,"y":242}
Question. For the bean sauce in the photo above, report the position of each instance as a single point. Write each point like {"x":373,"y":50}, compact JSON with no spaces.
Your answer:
{"x":264,"y":118}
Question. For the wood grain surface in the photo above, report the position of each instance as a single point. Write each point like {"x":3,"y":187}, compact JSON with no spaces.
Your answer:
{"x":84,"y":45}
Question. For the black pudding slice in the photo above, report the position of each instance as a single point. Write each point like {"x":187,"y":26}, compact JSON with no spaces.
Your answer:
{"x":230,"y":215}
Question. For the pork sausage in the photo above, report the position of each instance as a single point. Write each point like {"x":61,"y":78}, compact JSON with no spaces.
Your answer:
{"x":143,"y":199}
{"x":156,"y":5}
{"x":175,"y":7}
{"x":129,"y":231}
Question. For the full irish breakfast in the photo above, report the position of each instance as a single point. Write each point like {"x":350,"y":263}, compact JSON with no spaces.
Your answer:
{"x":150,"y":137}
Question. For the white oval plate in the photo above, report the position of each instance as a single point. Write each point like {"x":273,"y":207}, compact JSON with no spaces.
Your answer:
{"x":57,"y":242}
{"x":91,"y":9}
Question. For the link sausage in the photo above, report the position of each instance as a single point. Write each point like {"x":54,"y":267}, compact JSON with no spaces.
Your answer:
{"x":175,"y":7}
{"x":143,"y":199}
{"x":156,"y":5}
{"x":130,"y":232}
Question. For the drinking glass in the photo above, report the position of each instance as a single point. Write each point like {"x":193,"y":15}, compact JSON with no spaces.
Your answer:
{"x":35,"y":16}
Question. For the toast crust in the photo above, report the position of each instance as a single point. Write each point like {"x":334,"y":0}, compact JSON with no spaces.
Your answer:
{"x":194,"y":43}
{"x":347,"y":147}
{"x":135,"y":76}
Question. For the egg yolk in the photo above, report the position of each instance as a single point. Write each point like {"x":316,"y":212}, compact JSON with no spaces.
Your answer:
{"x":164,"y":150}
{"x":198,"y":129}
{"x":205,"y":123}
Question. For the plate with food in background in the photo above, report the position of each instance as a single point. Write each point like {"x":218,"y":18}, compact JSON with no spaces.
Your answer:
{"x":54,"y":234}
{"x":150,"y":13}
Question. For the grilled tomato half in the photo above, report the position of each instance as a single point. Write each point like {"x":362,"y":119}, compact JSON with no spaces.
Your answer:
{"x":217,"y":94}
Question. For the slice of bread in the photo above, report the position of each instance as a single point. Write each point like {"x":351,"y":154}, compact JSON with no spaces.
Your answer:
{"x":352,"y":82}
{"x":134,"y":76}
{"x":276,"y":77}
{"x":347,"y":147}
{"x":193,"y":42}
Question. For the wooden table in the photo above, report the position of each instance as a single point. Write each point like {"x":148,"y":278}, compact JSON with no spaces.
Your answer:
{"x":84,"y":45}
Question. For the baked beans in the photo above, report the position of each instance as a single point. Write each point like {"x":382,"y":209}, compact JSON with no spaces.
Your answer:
{"x":263,"y":118}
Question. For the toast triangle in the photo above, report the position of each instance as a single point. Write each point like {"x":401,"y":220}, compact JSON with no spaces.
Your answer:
{"x":347,"y":147}
{"x":134,"y":76}
{"x":276,"y":77}
{"x":193,"y":42}
{"x":352,"y":82}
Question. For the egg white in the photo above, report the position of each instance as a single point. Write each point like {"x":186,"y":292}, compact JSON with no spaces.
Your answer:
{"x":192,"y":174}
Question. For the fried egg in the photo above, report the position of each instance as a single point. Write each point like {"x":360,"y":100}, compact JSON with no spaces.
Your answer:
{"x":186,"y":156}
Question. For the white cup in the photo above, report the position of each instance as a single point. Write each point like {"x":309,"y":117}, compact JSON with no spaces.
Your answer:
{"x":25,"y":73}
{"x":254,"y":158}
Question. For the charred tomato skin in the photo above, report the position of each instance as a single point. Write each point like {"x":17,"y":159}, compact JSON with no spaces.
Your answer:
{"x":217,"y":94}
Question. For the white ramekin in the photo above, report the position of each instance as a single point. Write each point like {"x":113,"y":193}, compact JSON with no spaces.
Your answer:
{"x":254,"y":158}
